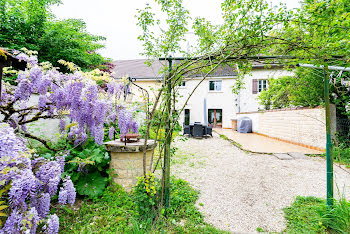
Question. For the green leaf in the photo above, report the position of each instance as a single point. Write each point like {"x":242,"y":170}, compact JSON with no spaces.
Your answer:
{"x":91,"y":185}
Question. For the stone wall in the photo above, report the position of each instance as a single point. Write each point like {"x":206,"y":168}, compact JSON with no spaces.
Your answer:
{"x":304,"y":126}
{"x":127,"y":161}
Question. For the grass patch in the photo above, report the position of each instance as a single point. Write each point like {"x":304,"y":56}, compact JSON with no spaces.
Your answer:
{"x":116,"y":212}
{"x":311,"y":215}
{"x":232,"y":141}
{"x":181,"y":157}
{"x":341,"y":155}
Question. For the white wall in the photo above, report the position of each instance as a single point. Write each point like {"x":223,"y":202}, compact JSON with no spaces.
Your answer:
{"x":223,"y":99}
{"x":248,"y":101}
{"x":299,"y":125}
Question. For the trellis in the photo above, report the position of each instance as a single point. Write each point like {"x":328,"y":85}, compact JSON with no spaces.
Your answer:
{"x":327,"y":78}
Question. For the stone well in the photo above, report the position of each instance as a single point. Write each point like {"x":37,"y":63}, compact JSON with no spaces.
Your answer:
{"x":127,"y":160}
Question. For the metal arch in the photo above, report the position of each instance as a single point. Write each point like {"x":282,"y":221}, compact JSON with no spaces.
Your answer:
{"x":131,"y":81}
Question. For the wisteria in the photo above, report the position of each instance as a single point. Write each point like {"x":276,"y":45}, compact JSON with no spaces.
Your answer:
{"x":71,"y":97}
{"x":126,"y":122}
{"x":83,"y":108}
{"x":52,"y":225}
{"x":67,"y":193}
{"x":33,"y":182}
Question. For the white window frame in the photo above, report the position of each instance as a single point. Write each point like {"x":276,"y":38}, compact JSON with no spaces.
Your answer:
{"x":262,"y":85}
{"x":215,"y":86}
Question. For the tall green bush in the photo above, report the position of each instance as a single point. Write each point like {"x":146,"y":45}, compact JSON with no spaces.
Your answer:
{"x":305,"y":88}
{"x":30,"y":24}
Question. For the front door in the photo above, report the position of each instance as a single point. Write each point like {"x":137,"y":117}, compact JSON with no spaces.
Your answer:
{"x":215,"y":117}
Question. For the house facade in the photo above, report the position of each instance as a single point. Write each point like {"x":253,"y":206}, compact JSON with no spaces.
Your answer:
{"x":213,"y":101}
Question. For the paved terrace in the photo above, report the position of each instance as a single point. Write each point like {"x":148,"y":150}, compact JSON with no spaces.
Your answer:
{"x":262,"y":144}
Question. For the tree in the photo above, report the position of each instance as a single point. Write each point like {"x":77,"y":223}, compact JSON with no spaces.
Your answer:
{"x":69,"y":39}
{"x":30,"y":24}
{"x":305,"y":89}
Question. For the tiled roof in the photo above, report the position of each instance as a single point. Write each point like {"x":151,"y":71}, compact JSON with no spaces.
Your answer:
{"x":138,"y":69}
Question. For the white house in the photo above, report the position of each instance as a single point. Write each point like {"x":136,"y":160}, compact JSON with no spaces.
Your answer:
{"x":213,"y":101}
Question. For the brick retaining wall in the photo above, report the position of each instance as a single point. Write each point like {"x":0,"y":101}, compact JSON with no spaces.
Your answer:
{"x":304,"y":126}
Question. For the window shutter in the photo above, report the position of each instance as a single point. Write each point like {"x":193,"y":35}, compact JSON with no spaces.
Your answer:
{"x":255,"y":86}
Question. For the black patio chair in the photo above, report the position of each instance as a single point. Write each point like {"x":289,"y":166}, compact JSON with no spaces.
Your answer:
{"x":210,"y":130}
{"x":198,"y":130}
{"x":187,"y":130}
{"x":204,"y":130}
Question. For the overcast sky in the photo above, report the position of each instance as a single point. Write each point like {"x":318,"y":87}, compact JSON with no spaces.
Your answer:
{"x":115,"y":20}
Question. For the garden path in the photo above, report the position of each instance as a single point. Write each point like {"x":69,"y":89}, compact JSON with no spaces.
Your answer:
{"x":240,"y":191}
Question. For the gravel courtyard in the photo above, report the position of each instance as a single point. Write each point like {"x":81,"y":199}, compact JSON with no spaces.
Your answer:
{"x":240,"y":191}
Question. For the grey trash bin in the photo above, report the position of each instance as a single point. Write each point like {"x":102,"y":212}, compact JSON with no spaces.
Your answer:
{"x":244,"y":125}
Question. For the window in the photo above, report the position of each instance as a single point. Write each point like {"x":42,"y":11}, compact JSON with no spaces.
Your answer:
{"x":182,"y":84}
{"x":259,"y":85}
{"x":215,"y":117}
{"x":262,"y":85}
{"x":187,"y":117}
{"x":215,"y":85}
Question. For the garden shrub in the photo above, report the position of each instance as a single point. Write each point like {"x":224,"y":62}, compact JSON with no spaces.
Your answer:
{"x":87,"y":165}
{"x":117,"y":211}
{"x":145,"y":196}
{"x":28,"y":183}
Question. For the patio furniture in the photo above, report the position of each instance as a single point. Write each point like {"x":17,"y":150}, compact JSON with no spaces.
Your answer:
{"x":244,"y":125}
{"x":204,"y":130}
{"x":187,"y":130}
{"x":210,"y":130}
{"x":197,"y":130}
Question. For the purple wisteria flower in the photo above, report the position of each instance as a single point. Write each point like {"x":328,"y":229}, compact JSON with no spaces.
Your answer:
{"x":23,"y":186}
{"x":22,"y":57}
{"x":134,"y":126}
{"x":65,"y":94}
{"x":53,"y":225}
{"x":111,"y":133}
{"x":62,"y":125}
{"x":33,"y":60}
{"x":61,"y":161}
{"x":30,"y":194}
{"x":49,"y":175}
{"x":13,"y":223}
{"x":31,"y":220}
{"x":43,"y":205}
{"x":126,"y":122}
{"x":67,"y":192}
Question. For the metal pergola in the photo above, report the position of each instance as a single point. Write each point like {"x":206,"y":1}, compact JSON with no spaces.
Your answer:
{"x":329,"y":157}
{"x":329,"y":150}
